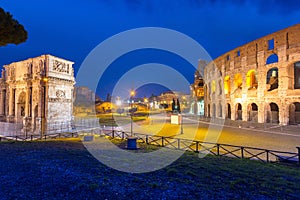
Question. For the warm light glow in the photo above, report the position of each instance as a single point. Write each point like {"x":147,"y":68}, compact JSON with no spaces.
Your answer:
{"x":251,"y":80}
{"x":213,"y":86}
{"x":238,"y":80}
{"x":227,"y":85}
{"x":145,"y":100}
{"x":132,"y":93}
{"x":45,"y":79}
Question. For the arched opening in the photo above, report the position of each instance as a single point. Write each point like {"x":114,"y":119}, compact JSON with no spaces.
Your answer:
{"x":35,"y":115}
{"x":251,"y":79}
{"x":252,"y":112}
{"x":297,"y":75}
{"x":272,"y":79}
{"x":239,"y":111}
{"x":208,"y":110}
{"x":220,"y":110}
{"x":21,"y":106}
{"x":228,"y":114}
{"x":214,"y":110}
{"x":294,"y":113}
{"x":273,"y":58}
{"x":227,"y":85}
{"x":273,"y":113}
{"x":238,"y":81}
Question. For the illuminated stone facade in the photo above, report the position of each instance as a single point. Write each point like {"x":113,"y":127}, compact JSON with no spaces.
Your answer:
{"x":37,"y":92}
{"x":197,"y":91}
{"x":259,"y":81}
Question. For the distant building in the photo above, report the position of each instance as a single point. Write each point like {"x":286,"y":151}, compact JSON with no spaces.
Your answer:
{"x":105,"y":107}
{"x":259,"y":81}
{"x":165,"y":100}
{"x":37,"y":92}
{"x":197,"y":95}
{"x":84,"y":94}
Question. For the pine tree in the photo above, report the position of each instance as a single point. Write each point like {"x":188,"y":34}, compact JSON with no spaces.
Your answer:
{"x":11,"y":32}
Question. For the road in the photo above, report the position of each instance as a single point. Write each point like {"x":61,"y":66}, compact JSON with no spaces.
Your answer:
{"x":160,"y":125}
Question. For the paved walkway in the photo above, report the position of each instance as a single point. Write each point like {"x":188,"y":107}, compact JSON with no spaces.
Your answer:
{"x":234,"y":133}
{"x":293,"y":130}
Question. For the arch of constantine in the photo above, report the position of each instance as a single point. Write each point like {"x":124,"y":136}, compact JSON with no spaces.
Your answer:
{"x":259,"y":81}
{"x":37,"y":93}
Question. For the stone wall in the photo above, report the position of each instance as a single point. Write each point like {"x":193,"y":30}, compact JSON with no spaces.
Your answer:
{"x":37,"y":92}
{"x":268,"y":75}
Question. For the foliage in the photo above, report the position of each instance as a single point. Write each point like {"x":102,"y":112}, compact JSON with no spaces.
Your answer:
{"x":178,"y":106}
{"x":11,"y":32}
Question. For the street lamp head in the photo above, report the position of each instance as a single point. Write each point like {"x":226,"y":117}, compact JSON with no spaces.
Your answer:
{"x":132,"y":93}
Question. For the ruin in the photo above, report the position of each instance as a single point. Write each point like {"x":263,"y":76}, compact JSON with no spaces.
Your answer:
{"x":37,"y":93}
{"x":259,"y":81}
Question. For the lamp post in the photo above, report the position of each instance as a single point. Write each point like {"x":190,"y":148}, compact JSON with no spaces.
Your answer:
{"x":181,"y":124}
{"x":132,"y":93}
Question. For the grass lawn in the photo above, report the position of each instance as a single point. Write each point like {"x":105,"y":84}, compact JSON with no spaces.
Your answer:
{"x":116,"y":119}
{"x":64,"y":169}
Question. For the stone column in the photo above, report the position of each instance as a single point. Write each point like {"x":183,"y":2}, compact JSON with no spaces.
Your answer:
{"x":10,"y":102}
{"x":40,"y":101}
{"x":27,"y":119}
{"x":244,"y":111}
{"x":261,"y":112}
{"x":244,"y":95}
{"x":27,"y":103}
{"x":284,"y":111}
{"x":233,"y":114}
{"x":6,"y":98}
{"x":1,"y":102}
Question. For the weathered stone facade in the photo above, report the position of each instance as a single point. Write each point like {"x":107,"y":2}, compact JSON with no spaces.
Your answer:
{"x":37,"y":92}
{"x":197,"y":91}
{"x":259,"y":81}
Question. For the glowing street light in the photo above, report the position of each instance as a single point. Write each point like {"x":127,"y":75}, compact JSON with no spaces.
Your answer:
{"x":132,"y":93}
{"x":118,"y":101}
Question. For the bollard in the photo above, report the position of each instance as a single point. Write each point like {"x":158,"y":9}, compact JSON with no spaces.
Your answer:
{"x":242,"y":152}
{"x":197,"y":147}
{"x":147,"y":141}
{"x":218,"y":149}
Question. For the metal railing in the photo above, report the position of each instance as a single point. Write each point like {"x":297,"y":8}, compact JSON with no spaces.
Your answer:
{"x":218,"y":149}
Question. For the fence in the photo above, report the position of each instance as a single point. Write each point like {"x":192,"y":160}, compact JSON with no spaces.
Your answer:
{"x":217,"y":149}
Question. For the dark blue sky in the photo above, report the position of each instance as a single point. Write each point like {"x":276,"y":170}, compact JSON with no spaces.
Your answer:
{"x":72,"y":28}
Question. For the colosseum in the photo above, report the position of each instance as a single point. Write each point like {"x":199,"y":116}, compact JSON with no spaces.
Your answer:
{"x":258,"y":82}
